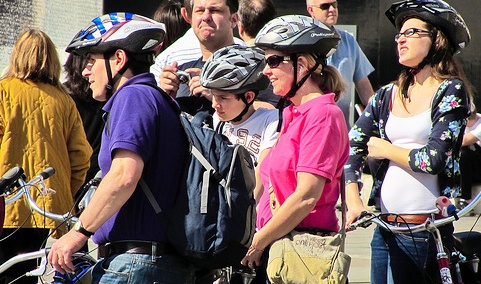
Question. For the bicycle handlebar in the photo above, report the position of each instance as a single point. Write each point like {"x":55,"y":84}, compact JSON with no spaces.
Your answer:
{"x":24,"y":189}
{"x":42,"y":253}
{"x":8,"y":180}
{"x":367,"y":219}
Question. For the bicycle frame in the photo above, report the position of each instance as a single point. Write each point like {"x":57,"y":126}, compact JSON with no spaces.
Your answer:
{"x":431,"y":225}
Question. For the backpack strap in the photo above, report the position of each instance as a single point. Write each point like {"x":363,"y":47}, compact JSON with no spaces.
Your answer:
{"x":145,"y":188}
{"x":198,"y":121}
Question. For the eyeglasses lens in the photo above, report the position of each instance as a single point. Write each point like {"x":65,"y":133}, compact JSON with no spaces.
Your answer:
{"x":325,"y":6}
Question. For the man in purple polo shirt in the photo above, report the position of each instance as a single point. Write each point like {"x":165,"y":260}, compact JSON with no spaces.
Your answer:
{"x":142,"y":142}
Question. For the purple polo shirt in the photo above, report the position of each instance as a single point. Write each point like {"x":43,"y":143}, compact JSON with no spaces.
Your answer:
{"x":141,"y":121}
{"x":314,"y":140}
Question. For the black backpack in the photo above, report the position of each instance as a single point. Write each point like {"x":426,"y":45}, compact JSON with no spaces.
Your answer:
{"x":212,"y":221}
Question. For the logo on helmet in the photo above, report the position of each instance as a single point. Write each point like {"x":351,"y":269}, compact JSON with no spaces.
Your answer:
{"x":322,"y":34}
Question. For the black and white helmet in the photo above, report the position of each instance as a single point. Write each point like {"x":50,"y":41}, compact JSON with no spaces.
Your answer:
{"x":438,"y":13}
{"x":130,"y":32}
{"x":298,"y":34}
{"x":235,"y":69}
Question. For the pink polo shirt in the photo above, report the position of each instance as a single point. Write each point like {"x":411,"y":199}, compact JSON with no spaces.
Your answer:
{"x":314,"y":140}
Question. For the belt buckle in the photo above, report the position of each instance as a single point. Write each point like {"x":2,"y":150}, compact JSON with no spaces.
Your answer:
{"x":154,"y":252}
{"x":107,"y":250}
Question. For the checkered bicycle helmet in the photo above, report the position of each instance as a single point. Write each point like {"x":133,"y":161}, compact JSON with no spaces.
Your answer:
{"x":298,"y":34}
{"x":235,"y":69}
{"x":438,"y":13}
{"x":133,"y":33}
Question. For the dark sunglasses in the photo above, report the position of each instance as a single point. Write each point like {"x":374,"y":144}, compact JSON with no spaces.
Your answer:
{"x":274,"y":60}
{"x":325,"y":6}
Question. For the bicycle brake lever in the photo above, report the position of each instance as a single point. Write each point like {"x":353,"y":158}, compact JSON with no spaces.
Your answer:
{"x":40,"y":271}
{"x":363,"y":221}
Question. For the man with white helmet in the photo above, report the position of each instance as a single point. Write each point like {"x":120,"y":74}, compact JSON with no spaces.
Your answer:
{"x":142,"y":142}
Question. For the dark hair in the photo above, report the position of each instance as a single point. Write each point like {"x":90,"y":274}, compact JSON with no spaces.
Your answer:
{"x":169,"y":13}
{"x":254,"y":14}
{"x":441,"y":61}
{"x":76,"y":84}
{"x":232,"y":4}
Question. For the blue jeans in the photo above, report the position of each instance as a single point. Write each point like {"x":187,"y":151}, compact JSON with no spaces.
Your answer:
{"x":139,"y":269}
{"x":407,"y":258}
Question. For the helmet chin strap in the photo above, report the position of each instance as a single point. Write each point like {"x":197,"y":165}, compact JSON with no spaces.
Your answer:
{"x":244,"y":111}
{"x":113,"y":80}
{"x":295,"y":86}
{"x":221,"y":124}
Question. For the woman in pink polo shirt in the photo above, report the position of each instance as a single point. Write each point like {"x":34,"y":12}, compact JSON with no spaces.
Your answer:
{"x":304,"y":168}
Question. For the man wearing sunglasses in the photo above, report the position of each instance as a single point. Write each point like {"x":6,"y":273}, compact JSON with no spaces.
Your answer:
{"x":349,"y":59}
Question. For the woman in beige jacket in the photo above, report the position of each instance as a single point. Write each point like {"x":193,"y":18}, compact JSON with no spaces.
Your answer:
{"x":40,"y":127}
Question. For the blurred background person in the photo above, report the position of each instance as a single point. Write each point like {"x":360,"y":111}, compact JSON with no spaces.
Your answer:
{"x":253,"y":15}
{"x":40,"y":127}
{"x":187,"y":48}
{"x":349,"y":59}
{"x":169,"y":13}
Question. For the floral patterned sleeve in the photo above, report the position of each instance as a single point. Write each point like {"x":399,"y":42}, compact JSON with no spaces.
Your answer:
{"x":449,"y":112}
{"x":366,"y":126}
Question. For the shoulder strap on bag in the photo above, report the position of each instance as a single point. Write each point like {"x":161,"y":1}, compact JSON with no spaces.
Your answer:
{"x":343,"y":211}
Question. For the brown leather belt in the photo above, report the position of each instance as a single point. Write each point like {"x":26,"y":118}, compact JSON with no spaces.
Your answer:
{"x":136,"y":247}
{"x":415,"y":219}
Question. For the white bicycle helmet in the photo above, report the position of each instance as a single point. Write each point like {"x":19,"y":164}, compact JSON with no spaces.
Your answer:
{"x":133,"y":33}
{"x":295,"y":34}
{"x":298,"y":34}
{"x":235,"y":69}
{"x":438,"y":13}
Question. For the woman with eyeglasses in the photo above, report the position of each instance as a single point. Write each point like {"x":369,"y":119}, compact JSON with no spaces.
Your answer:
{"x":301,"y":174}
{"x":413,"y":128}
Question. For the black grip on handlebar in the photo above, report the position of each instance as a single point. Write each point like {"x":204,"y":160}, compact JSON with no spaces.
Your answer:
{"x":48,"y":172}
{"x":10,"y":178}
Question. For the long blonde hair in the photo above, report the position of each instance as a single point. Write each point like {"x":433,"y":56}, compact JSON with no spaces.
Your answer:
{"x":35,"y":58}
{"x":327,"y":77}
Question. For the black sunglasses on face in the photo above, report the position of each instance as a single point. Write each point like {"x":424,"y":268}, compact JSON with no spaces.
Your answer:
{"x":274,"y":60}
{"x":325,"y":6}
